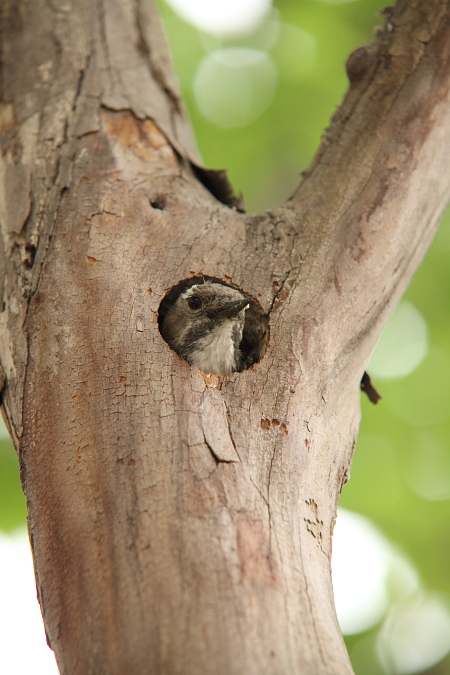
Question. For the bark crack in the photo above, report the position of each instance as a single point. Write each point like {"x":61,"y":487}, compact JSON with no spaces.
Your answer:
{"x":272,"y":459}
{"x":156,"y":73}
{"x":104,"y":40}
{"x":61,"y":180}
{"x":217,"y":459}
{"x":314,"y":623}
{"x":281,"y":294}
{"x":230,"y":432}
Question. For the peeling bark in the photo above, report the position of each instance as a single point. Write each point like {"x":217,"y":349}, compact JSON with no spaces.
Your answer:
{"x":180,"y":522}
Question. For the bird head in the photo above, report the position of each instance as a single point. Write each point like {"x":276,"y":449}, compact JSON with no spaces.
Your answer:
{"x":205,"y":325}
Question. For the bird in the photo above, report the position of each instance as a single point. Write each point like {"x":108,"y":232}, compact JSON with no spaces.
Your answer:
{"x":204,"y":326}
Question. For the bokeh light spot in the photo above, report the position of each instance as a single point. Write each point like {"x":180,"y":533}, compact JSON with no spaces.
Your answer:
{"x":295,"y":51}
{"x":403,"y":344}
{"x":415,"y":635}
{"x":20,"y":618}
{"x":234,"y":86}
{"x":360,"y":569}
{"x":368,"y":573}
{"x":222,"y":18}
{"x":428,"y":471}
{"x":423,"y":397}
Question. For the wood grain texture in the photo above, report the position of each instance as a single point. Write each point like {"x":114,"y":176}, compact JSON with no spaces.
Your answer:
{"x":182,"y":523}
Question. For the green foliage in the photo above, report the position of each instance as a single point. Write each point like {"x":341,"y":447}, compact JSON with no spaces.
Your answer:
{"x":13,"y":511}
{"x":401,"y":467}
{"x":312,"y":42}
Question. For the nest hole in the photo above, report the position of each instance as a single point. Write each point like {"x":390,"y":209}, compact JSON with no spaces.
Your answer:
{"x":256,"y":327}
{"x":158,"y":202}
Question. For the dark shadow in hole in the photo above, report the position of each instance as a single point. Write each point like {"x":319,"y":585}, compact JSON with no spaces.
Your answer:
{"x":30,"y":254}
{"x":256,"y":327}
{"x":158,"y":202}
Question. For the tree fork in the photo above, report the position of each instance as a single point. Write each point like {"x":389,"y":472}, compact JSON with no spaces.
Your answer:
{"x":182,"y":523}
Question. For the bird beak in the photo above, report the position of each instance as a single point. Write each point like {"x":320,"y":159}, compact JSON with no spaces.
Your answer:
{"x":229,"y":309}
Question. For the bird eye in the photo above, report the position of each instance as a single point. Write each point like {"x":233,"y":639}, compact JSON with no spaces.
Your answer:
{"x":194,"y":302}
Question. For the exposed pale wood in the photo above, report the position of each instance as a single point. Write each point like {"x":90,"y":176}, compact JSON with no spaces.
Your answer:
{"x":152,"y":556}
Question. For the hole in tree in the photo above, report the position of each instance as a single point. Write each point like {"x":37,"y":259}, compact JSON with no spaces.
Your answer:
{"x":158,"y":202}
{"x":204,"y":325}
{"x":29,"y":256}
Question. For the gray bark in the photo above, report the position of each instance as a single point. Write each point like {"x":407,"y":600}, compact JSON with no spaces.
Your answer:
{"x":181,"y":523}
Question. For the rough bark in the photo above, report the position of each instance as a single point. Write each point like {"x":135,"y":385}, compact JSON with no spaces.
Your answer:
{"x":182,"y":523}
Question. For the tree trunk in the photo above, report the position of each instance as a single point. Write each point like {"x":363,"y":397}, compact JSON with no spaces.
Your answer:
{"x":181,"y":523}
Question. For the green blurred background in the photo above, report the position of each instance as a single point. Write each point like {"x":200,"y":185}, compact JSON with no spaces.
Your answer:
{"x":259,"y":100}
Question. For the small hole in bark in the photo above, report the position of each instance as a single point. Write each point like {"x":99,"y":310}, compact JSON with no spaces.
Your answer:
{"x":158,"y":202}
{"x":204,"y":327}
{"x":30,"y":253}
